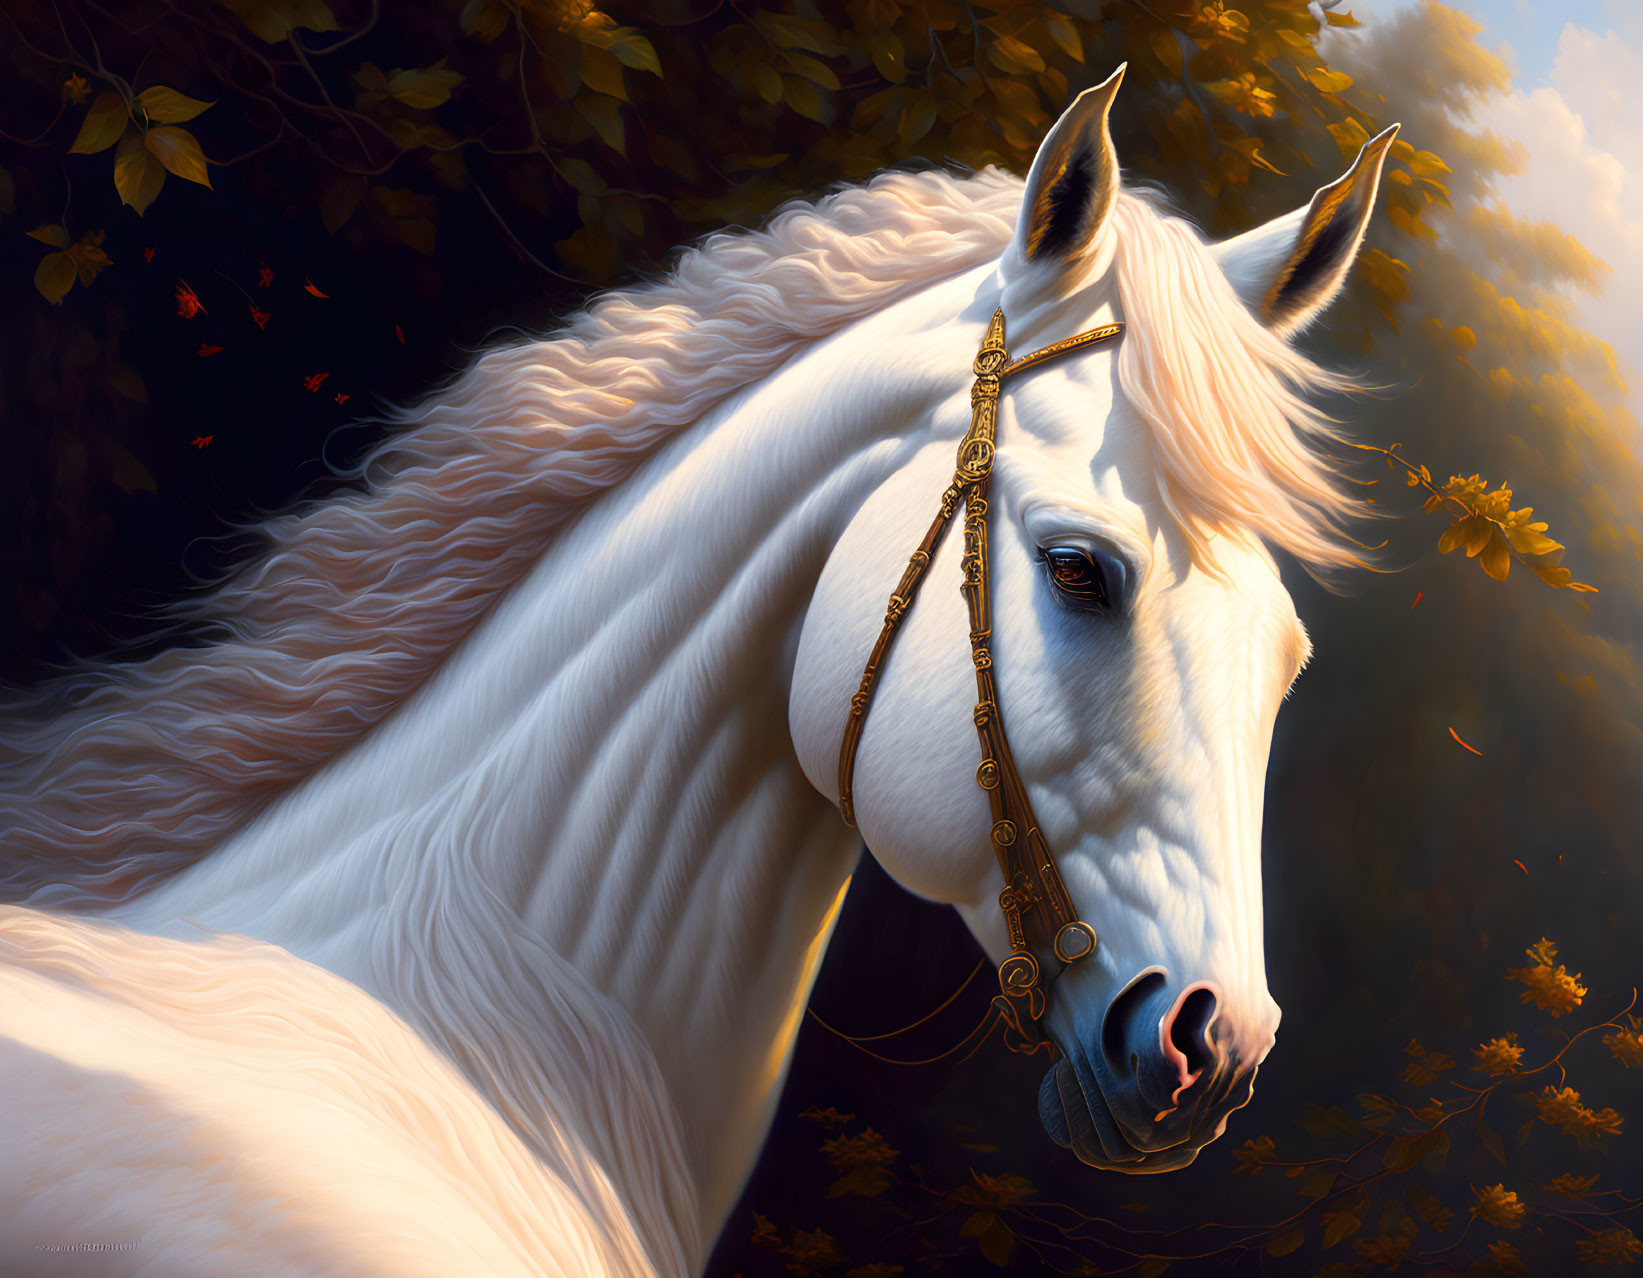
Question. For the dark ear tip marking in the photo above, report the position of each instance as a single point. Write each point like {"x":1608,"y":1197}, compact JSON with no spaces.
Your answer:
{"x":1076,"y":177}
{"x":1329,"y":237}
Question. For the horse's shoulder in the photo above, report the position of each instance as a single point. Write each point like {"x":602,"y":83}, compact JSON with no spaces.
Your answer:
{"x":229,"y":1108}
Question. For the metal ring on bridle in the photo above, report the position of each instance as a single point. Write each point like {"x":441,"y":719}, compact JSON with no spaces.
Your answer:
{"x":1074,"y":941}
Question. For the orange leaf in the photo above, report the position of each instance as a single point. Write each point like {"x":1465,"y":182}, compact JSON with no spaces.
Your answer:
{"x":1463,"y":744}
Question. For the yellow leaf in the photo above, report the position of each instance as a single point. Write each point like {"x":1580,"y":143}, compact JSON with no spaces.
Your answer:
{"x":1286,"y":1242}
{"x":138,"y":173}
{"x":634,"y":50}
{"x":582,"y":175}
{"x":812,"y":69}
{"x":794,"y":33}
{"x":371,"y":78}
{"x":1454,"y":536}
{"x":89,"y":257}
{"x":484,"y":20}
{"x":1427,"y":164}
{"x":768,"y":83}
{"x":340,"y":200}
{"x":889,"y":57}
{"x":605,"y":115}
{"x":54,"y":235}
{"x":1341,"y":19}
{"x":1531,"y":539}
{"x":602,"y":72}
{"x":1326,"y":80}
{"x":1496,"y":557}
{"x":167,"y":106}
{"x":273,"y":20}
{"x":917,"y":118}
{"x":1349,"y":135}
{"x":1166,"y":49}
{"x":425,"y":89}
{"x":1408,"y":224}
{"x":1295,"y":39}
{"x":105,"y":121}
{"x":806,"y":99}
{"x":1013,"y":55}
{"x":55,"y":276}
{"x":1341,"y":1227}
{"x":179,"y":151}
{"x":1065,"y":34}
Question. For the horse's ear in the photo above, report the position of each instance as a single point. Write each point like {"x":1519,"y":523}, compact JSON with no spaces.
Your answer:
{"x":1290,"y":269}
{"x":1072,"y":184}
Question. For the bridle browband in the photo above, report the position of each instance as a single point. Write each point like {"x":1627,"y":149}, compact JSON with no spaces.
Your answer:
{"x":1032,"y":884}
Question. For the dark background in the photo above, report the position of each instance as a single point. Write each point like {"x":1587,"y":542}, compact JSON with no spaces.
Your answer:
{"x":1395,"y":900}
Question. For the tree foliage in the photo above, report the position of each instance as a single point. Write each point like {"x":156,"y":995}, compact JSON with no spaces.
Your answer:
{"x":1370,"y":1187}
{"x":461,"y":165}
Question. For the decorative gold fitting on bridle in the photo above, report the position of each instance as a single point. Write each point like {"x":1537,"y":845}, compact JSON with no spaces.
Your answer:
{"x":1018,"y":973}
{"x":975,"y":459}
{"x":1033,"y":882}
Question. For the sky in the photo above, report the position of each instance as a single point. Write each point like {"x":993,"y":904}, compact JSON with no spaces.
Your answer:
{"x":1576,"y":97}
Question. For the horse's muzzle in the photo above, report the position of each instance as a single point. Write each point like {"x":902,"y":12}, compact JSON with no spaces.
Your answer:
{"x":1154,"y":1086}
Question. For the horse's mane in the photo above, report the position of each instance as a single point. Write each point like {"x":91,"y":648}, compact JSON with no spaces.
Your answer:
{"x":118,"y":774}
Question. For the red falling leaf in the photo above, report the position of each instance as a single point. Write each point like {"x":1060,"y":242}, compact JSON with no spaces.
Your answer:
{"x":207,"y":350}
{"x":343,"y":399}
{"x":1463,"y":744}
{"x":200,"y":441}
{"x":188,"y":301}
{"x":1418,"y":595}
{"x":259,"y":318}
{"x":314,"y":381}
{"x":265,"y":277}
{"x":308,"y":286}
{"x":399,"y":333}
{"x":1520,"y":865}
{"x":148,"y":255}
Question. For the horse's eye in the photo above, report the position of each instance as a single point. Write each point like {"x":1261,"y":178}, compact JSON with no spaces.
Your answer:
{"x":1084,"y":579}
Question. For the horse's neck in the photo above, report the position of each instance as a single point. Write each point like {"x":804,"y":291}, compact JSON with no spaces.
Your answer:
{"x":591,"y":821}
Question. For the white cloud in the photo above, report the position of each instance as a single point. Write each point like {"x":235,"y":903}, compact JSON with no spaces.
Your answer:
{"x":1583,"y":169}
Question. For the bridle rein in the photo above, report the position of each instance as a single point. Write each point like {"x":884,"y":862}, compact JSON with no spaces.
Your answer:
{"x":1032,"y":885}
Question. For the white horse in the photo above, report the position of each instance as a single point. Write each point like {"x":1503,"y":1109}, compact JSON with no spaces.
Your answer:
{"x":453,"y":909}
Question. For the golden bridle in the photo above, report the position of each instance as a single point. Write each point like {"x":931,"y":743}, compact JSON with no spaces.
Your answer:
{"x":1032,"y":885}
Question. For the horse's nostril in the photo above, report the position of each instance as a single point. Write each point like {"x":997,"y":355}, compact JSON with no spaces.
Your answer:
{"x":1124,"y":1014}
{"x":1188,"y":1030}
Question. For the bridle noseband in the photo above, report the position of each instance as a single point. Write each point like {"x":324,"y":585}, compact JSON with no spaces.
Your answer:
{"x":1032,"y":885}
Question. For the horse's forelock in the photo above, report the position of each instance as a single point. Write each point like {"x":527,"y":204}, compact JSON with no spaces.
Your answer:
{"x":1227,"y":402}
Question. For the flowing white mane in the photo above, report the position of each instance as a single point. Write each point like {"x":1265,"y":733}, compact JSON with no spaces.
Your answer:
{"x":120,"y":774}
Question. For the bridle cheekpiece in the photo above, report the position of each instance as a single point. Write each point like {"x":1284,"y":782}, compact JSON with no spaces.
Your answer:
{"x":1033,"y":890}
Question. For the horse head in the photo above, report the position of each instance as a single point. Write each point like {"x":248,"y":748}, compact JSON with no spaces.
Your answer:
{"x":1141,"y":640}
